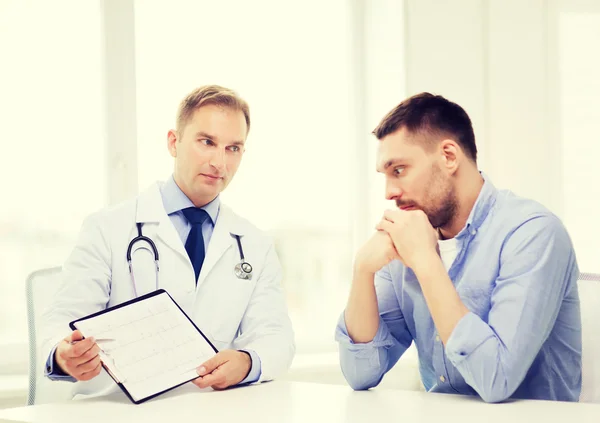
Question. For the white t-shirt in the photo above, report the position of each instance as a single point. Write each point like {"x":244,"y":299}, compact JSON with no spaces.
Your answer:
{"x":448,"y":251}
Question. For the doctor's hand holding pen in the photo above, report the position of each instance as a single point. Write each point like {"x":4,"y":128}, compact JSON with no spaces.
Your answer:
{"x":78,"y":357}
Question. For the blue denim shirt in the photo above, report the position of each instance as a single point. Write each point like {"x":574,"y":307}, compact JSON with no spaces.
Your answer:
{"x":517,"y":273}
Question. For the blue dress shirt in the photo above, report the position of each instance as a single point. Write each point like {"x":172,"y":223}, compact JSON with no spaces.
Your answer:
{"x":174,"y":201}
{"x":517,"y":273}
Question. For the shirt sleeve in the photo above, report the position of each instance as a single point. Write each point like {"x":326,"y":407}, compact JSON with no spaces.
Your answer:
{"x":255,"y":369}
{"x":365,"y":364}
{"x":266,"y":328}
{"x":54,"y":372}
{"x":537,"y":266}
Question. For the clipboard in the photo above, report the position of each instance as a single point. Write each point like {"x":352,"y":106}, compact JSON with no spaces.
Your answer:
{"x":156,"y":319}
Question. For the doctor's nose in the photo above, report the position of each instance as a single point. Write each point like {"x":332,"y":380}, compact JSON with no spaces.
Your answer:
{"x":217,"y":160}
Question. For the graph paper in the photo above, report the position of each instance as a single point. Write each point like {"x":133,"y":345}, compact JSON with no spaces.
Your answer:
{"x":153,"y":345}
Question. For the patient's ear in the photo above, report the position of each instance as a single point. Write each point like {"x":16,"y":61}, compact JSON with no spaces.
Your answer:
{"x":451,"y":155}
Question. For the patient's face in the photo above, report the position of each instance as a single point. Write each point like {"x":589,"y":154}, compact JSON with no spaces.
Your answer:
{"x":415,"y":177}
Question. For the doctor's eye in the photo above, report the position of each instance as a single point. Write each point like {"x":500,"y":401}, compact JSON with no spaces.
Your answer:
{"x":235,"y":148}
{"x":207,"y":142}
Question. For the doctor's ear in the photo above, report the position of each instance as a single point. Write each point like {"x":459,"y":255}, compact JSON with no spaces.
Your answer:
{"x":172,"y":139}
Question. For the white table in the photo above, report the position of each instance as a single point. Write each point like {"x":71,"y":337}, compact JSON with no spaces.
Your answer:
{"x":284,"y":402}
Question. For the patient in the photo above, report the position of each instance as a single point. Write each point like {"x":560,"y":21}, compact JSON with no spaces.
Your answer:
{"x":483,"y":281}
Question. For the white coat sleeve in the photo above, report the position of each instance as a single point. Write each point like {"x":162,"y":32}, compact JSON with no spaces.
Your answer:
{"x":85,"y":289}
{"x":266,"y":327}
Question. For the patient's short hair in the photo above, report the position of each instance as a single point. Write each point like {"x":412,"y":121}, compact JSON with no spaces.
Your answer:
{"x":432,"y":118}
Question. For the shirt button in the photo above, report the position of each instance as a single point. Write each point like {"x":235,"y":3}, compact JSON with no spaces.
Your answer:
{"x":442,"y":378}
{"x":437,"y":338}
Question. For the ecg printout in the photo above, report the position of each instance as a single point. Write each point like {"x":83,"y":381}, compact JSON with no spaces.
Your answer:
{"x":155,"y":346}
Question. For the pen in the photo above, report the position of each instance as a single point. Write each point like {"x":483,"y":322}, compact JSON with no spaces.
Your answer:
{"x":97,"y":340}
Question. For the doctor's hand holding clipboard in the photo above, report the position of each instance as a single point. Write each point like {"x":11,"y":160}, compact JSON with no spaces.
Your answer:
{"x":149,"y":346}
{"x":177,"y":235}
{"x":79,"y":358}
{"x":227,"y":368}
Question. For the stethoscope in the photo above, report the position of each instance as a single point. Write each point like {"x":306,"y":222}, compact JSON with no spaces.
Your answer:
{"x":141,"y":238}
{"x":242,"y":270}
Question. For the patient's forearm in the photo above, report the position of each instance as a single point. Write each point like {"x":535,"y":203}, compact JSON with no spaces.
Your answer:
{"x":362,"y":313}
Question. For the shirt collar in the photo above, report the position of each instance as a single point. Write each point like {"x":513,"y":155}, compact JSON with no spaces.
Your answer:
{"x":483,"y":205}
{"x":174,"y":200}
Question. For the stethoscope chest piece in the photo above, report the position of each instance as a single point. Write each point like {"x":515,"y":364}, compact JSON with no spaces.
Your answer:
{"x":243,"y":269}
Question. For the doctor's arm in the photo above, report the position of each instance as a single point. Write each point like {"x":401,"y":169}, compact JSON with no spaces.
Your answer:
{"x":266,"y":332}
{"x":85,"y":289}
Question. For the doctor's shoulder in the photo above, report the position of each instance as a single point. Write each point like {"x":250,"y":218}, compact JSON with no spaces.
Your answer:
{"x":254,"y":237}
{"x":111,"y":222}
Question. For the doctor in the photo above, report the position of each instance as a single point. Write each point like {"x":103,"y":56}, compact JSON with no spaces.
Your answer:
{"x":221,"y":270}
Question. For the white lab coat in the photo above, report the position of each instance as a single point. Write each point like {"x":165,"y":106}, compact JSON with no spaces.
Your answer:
{"x":233,"y":313}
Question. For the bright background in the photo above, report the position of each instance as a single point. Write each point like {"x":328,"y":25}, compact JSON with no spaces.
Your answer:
{"x":89,"y":89}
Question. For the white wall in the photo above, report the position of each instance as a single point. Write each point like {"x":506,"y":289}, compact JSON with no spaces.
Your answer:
{"x":446,"y":54}
{"x":490,"y":57}
{"x":523,"y":70}
{"x":575,"y":64}
{"x":384,"y":86}
{"x":518,"y":98}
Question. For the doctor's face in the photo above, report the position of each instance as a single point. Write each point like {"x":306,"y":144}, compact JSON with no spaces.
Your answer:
{"x":208,"y":151}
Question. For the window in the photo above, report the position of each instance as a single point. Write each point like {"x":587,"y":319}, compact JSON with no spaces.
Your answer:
{"x":579,"y":67}
{"x":52,"y":115}
{"x":296,"y":177}
{"x":305,"y":169}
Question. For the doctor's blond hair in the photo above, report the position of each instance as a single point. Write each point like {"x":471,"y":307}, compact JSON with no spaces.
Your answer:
{"x":211,"y":95}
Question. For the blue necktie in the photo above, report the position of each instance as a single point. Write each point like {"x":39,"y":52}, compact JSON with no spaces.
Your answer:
{"x":195,"y":242}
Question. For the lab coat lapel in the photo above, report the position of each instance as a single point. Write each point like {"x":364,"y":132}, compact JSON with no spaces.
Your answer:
{"x":221,"y":240}
{"x":151,"y":209}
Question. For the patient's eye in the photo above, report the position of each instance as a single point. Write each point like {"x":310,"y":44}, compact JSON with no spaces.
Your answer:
{"x":398,"y":170}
